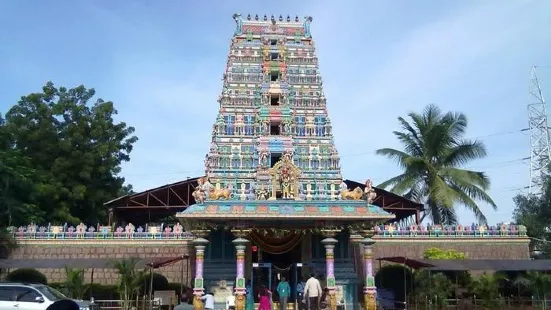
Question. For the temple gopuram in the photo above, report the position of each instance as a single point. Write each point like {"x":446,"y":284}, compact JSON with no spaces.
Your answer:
{"x":273,"y":175}
{"x":272,"y":203}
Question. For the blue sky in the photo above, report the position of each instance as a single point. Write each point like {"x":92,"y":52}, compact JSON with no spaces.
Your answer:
{"x":161,"y":62}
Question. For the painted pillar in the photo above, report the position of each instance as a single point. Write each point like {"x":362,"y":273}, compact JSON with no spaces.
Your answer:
{"x":240,"y":288}
{"x":370,"y":290}
{"x":329,"y":244}
{"x":198,"y":285}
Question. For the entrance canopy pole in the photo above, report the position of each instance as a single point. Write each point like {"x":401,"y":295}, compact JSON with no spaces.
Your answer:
{"x":329,"y":244}
{"x":370,"y":290}
{"x":198,"y":286}
{"x":240,"y":289}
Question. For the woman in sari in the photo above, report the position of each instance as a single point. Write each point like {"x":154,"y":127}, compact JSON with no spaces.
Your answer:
{"x":250,"y":297}
{"x":265,"y":297}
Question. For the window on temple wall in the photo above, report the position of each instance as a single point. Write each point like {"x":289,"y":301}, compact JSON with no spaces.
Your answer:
{"x":273,"y":42}
{"x":235,"y":163}
{"x":274,"y":100}
{"x":274,"y":158}
{"x":274,"y":129}
{"x":274,"y":76}
{"x":274,"y":56}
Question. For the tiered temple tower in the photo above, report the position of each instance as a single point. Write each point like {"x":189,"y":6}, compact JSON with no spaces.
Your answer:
{"x":273,"y":175}
{"x":272,"y":106}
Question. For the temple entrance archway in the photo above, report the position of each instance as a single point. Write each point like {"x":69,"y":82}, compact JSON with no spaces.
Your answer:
{"x":283,"y":253}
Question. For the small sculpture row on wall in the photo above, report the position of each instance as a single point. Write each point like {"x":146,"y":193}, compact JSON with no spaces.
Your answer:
{"x":166,"y":232}
{"x":82,"y":231}
{"x":451,"y":230}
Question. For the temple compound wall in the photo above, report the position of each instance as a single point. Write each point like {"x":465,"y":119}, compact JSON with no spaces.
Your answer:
{"x":221,"y":262}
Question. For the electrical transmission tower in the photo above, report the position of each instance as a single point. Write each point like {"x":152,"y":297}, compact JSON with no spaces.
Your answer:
{"x":540,"y":152}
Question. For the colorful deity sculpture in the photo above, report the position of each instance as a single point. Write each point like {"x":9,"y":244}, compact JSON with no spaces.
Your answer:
{"x":369,"y":192}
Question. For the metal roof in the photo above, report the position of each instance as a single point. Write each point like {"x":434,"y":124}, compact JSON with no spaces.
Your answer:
{"x":473,"y":264}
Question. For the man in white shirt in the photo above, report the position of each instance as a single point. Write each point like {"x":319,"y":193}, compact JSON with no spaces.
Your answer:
{"x":209,"y":301}
{"x":312,"y":289}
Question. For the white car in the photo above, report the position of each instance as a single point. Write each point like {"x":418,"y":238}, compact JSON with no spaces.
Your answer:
{"x":21,"y":296}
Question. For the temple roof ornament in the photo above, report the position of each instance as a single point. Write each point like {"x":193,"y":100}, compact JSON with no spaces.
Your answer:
{"x":284,"y":175}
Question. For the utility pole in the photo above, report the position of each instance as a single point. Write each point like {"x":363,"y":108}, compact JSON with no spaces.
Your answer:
{"x":540,"y":152}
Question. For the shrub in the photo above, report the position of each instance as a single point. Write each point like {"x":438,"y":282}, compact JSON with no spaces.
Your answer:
{"x":28,"y":275}
{"x":160,"y":282}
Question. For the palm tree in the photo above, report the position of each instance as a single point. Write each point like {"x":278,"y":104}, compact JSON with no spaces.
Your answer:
{"x":433,"y":152}
{"x":129,"y":280}
{"x":74,"y":284}
{"x":486,"y":287}
{"x":537,"y":282}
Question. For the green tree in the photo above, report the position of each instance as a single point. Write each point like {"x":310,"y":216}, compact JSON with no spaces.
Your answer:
{"x":486,"y":287}
{"x":16,"y":185}
{"x":433,"y":287}
{"x":74,"y":283}
{"x":437,"y":253}
{"x":534,"y":212}
{"x":538,"y":283}
{"x":75,"y":149}
{"x":130,"y":280}
{"x":433,"y":152}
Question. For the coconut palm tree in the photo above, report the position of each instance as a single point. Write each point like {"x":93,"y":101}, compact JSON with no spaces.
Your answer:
{"x":433,"y":152}
{"x":74,"y":282}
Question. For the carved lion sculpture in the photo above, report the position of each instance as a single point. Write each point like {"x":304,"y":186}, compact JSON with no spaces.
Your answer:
{"x":197,"y":303}
{"x":369,"y":301}
{"x":239,"y":302}
{"x":355,"y":194}
{"x":217,"y":194}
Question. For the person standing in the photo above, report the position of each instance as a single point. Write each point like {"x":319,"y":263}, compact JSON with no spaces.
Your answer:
{"x":283,"y":290}
{"x":185,"y":304}
{"x":209,"y":301}
{"x":300,"y":294}
{"x":265,"y":297}
{"x":250,"y":297}
{"x":313,"y":291}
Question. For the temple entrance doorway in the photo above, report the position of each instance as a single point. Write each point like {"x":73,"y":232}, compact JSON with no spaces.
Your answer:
{"x":284,"y":265}
{"x":261,"y":275}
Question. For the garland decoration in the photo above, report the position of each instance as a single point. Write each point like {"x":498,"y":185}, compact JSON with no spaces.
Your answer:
{"x":275,"y":244}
